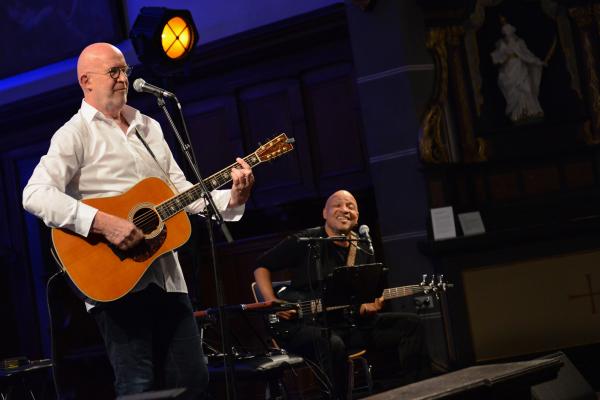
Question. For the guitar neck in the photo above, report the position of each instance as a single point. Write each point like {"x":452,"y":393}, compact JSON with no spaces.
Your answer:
{"x":402,"y":291}
{"x":177,"y":203}
{"x":316,"y":306}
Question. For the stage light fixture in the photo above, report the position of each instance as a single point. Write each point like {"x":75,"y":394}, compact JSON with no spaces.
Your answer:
{"x":162,"y":36}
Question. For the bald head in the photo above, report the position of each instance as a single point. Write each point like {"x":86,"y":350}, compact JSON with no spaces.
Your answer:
{"x":95,"y":55}
{"x":340,"y":194}
{"x":105,"y":92}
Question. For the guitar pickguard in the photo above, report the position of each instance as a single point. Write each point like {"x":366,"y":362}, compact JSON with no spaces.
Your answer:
{"x":144,"y":250}
{"x":148,"y":247}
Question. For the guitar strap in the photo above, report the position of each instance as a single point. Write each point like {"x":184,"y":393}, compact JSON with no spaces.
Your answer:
{"x":351,"y":251}
{"x":137,"y":133}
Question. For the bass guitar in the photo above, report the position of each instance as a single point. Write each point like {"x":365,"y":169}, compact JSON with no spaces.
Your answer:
{"x":312,"y":308}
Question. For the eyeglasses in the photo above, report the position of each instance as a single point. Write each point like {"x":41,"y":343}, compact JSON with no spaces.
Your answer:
{"x":115,"y":72}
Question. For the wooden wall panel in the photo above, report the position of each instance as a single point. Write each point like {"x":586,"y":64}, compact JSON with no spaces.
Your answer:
{"x":579,"y":174}
{"x":267,"y":110}
{"x":540,"y":180}
{"x":334,"y":127}
{"x":436,"y":193}
{"x":504,"y":186}
{"x":215,"y":133}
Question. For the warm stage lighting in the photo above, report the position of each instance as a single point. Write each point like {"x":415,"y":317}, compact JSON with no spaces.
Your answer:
{"x":160,"y":35}
{"x":177,"y":38}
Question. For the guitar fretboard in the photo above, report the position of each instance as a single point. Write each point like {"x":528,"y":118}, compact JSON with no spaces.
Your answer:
{"x":393,"y":293}
{"x":315,"y":306}
{"x":172,"y":206}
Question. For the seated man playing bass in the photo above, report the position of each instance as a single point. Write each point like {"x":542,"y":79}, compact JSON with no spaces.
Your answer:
{"x":378,"y":332}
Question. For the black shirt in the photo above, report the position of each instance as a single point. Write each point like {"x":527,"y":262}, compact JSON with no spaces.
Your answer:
{"x":297,"y":258}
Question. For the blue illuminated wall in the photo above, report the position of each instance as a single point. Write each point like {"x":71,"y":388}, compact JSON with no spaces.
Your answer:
{"x":19,"y":77}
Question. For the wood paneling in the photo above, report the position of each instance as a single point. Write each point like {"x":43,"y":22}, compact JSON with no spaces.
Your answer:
{"x":540,"y":180}
{"x":215,"y":133}
{"x":504,"y":186}
{"x":579,"y":174}
{"x":269,"y":109}
{"x":334,"y":125}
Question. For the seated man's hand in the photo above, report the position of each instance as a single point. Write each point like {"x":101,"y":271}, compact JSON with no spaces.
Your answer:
{"x":287,"y":314}
{"x":371,"y":308}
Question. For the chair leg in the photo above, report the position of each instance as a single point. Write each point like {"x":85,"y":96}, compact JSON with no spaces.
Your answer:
{"x":366,"y":370}
{"x":368,"y":376}
{"x":350,"y":378}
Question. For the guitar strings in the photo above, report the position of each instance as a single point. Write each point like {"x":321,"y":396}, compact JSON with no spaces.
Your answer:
{"x":316,"y":306}
{"x":143,"y":220}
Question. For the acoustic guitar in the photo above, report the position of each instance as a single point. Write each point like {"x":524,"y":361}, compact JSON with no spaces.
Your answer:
{"x":101,"y":271}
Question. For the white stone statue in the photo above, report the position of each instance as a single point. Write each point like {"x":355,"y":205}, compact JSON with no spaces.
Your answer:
{"x":519,"y":76}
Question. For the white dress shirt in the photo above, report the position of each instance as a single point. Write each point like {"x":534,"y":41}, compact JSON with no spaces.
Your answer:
{"x":89,"y":157}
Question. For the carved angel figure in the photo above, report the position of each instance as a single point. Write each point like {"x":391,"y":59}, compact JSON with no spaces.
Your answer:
{"x":519,"y":77}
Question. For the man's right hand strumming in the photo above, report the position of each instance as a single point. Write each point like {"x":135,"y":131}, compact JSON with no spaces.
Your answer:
{"x":118,"y":231}
{"x":265,"y":285}
{"x":288,"y":314}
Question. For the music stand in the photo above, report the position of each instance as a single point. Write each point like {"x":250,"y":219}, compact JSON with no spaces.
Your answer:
{"x":356,"y":284}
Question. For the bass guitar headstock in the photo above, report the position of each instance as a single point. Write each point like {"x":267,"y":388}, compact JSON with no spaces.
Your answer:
{"x":433,"y":286}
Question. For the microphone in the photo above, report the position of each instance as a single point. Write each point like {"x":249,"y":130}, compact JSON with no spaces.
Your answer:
{"x":142,"y":86}
{"x":363,"y":231}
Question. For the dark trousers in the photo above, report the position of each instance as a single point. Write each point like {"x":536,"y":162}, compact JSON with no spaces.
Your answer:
{"x":153,"y":342}
{"x":394,"y":341}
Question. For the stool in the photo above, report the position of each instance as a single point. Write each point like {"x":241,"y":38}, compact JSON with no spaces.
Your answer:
{"x":357,"y":358}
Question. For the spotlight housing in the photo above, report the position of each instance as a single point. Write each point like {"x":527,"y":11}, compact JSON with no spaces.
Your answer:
{"x":163,"y":36}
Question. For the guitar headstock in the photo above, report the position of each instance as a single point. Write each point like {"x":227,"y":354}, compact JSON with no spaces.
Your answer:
{"x":433,"y":286}
{"x":275,"y":147}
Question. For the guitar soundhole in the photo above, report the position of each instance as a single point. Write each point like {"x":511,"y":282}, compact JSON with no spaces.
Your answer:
{"x":146,"y":219}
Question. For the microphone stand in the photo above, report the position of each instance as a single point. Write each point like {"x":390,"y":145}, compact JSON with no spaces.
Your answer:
{"x":314,"y":243}
{"x":314,"y":253}
{"x":211,"y":212}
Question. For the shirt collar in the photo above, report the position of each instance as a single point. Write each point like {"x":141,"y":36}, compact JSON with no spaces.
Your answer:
{"x":90,"y":113}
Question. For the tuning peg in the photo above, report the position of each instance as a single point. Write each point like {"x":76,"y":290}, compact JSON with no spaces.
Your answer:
{"x":441,"y":284}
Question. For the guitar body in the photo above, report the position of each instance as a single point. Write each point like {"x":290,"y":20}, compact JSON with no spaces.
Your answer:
{"x":102,"y":272}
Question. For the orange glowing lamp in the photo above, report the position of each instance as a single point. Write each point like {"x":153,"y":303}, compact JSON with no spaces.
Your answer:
{"x":163,"y":36}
